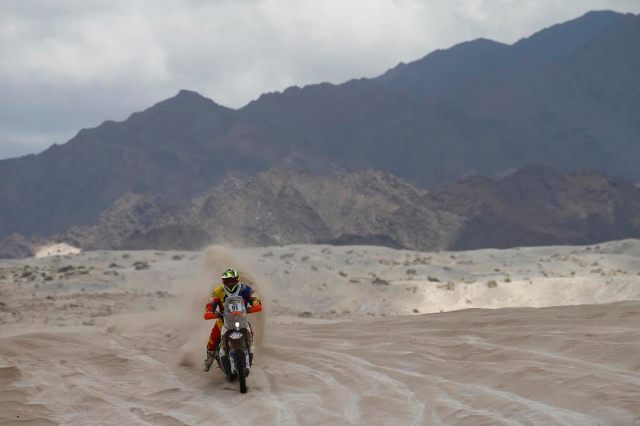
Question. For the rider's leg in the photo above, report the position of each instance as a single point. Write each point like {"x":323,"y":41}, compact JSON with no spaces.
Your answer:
{"x":214,"y":339}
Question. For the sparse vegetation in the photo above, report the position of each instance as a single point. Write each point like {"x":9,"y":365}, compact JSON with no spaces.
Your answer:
{"x":448,"y":286}
{"x":177,"y":257}
{"x":380,"y":281}
{"x":354,"y":281}
{"x":492,"y":284}
{"x":66,"y":269}
{"x":411,"y":271}
{"x":342,"y":274}
{"x":433,"y":279}
{"x":141,"y":265}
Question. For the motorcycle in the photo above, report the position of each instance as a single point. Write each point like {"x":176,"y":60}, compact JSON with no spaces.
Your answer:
{"x":232,"y":354}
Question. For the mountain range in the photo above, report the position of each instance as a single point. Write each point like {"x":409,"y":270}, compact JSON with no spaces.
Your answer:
{"x":533,"y":206}
{"x":566,"y":97}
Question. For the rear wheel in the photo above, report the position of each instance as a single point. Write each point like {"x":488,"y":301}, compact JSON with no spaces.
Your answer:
{"x":240,"y":366}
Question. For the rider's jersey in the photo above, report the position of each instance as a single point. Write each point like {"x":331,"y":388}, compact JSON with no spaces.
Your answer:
{"x":218,"y":295}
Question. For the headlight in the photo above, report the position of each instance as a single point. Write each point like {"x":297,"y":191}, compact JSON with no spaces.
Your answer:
{"x":237,"y":324}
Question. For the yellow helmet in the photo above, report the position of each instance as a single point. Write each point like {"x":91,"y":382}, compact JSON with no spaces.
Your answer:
{"x":230,"y":280}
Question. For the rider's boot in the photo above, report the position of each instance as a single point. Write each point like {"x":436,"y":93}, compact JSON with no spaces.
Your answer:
{"x":206,"y":365}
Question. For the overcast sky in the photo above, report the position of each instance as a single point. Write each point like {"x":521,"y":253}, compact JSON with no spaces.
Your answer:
{"x":65,"y":65}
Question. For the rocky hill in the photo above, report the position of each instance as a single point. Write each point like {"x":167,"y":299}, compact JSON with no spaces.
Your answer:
{"x":533,"y":206}
{"x":277,"y":207}
{"x":567,"y":97}
{"x":16,"y":246}
{"x":540,"y":206}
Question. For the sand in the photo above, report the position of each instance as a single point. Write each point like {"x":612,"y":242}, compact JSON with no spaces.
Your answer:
{"x":118,"y":337}
{"x":60,"y":249}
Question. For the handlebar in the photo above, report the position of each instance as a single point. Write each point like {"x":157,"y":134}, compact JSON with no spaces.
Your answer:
{"x":208,"y":315}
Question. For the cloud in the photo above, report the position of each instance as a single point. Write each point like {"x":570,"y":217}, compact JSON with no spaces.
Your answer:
{"x":67,"y":65}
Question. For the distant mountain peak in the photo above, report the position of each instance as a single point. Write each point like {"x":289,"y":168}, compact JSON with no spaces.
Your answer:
{"x":427,"y":74}
{"x":185,"y":95}
{"x":562,"y":39}
{"x":190,"y":97}
{"x":189,"y":93}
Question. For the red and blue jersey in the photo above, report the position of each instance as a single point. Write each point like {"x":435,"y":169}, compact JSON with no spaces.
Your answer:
{"x":218,"y":295}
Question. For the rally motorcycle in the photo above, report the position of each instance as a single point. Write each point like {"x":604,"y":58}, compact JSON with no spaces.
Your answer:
{"x":232,"y":354}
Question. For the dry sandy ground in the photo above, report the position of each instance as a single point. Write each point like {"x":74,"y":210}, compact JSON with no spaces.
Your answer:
{"x":117,"y":338}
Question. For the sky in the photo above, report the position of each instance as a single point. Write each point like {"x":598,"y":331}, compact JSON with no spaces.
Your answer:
{"x":67,"y":65}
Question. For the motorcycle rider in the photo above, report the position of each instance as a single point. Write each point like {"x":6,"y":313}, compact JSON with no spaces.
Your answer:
{"x":231,"y":286}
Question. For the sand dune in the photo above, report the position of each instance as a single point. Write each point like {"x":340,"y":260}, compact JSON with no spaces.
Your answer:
{"x":573,"y":365}
{"x":117,"y":338}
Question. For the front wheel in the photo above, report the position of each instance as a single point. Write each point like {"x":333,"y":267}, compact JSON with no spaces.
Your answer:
{"x":240,"y":366}
{"x":226,"y":367}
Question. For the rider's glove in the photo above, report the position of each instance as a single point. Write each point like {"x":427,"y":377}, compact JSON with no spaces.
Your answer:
{"x":255,"y":308}
{"x":208,"y":315}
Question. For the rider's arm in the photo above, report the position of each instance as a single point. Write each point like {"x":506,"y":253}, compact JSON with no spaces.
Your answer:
{"x":210,"y":309}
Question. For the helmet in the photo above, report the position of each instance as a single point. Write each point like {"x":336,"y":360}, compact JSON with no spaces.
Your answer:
{"x":230,"y":280}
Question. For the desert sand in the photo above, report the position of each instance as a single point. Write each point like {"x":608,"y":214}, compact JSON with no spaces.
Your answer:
{"x":59,"y":249}
{"x":349,"y":335}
